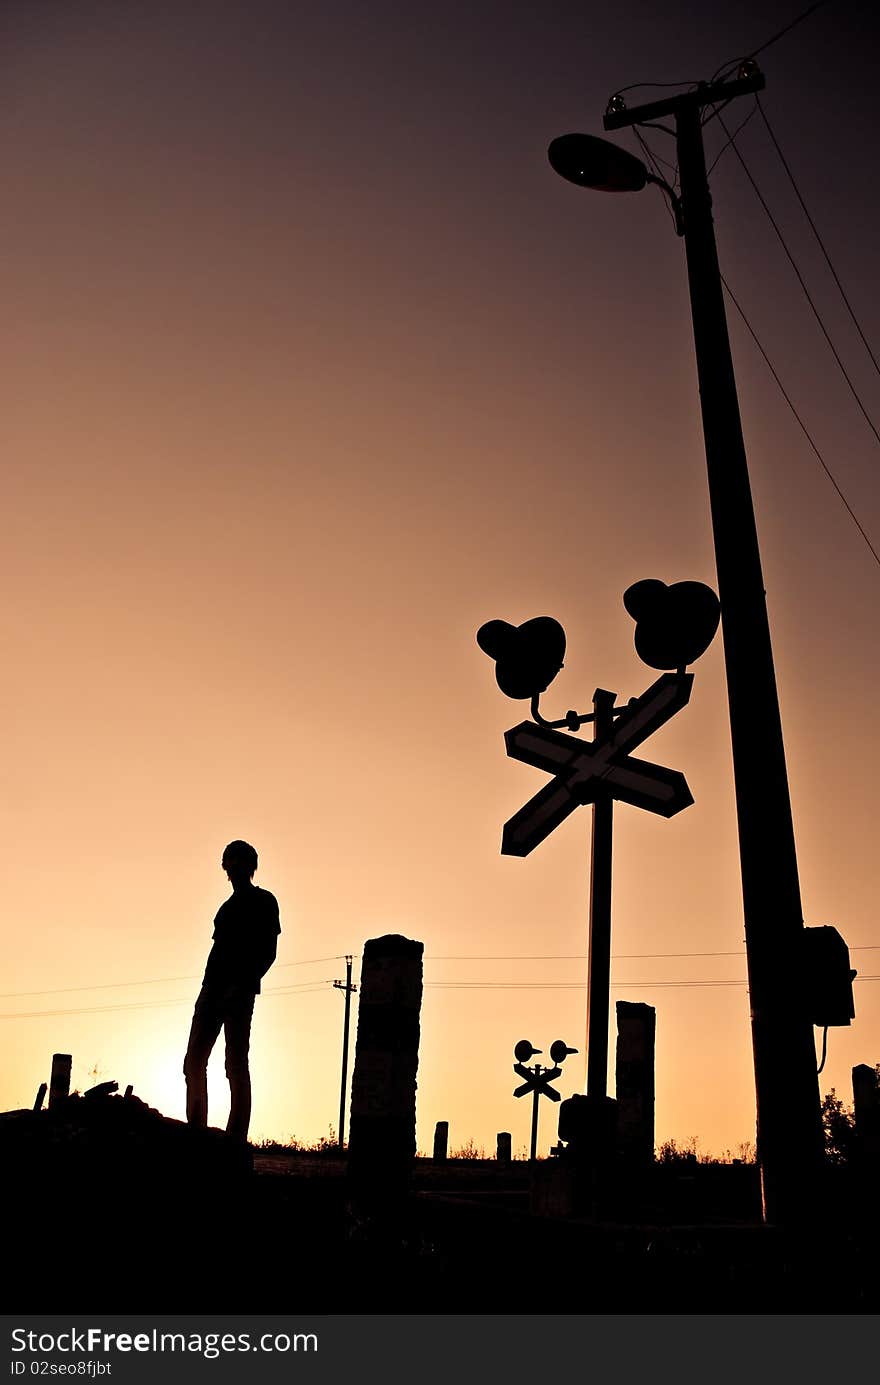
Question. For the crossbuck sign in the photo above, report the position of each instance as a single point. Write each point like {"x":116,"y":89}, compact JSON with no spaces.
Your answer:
{"x":585,"y":770}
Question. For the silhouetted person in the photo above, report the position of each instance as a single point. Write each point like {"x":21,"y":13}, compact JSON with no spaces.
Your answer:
{"x":246,"y":930}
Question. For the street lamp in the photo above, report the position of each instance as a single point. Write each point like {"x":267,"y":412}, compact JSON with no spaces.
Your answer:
{"x":605,"y":167}
{"x":786,"y":1084}
{"x":597,"y":164}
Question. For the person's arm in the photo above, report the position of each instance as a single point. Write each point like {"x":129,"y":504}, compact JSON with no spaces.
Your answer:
{"x":266,"y":954}
{"x":266,"y":941}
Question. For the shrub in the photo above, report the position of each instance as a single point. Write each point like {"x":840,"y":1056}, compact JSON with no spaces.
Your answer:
{"x":469,"y":1151}
{"x":838,"y":1128}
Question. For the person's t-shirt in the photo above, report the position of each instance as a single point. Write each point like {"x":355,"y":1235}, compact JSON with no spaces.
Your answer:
{"x":246,"y":929}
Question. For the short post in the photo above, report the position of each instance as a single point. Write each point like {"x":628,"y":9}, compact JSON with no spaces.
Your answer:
{"x":59,"y":1082}
{"x":636,"y":1026}
{"x":382,"y":1130}
{"x":441,"y":1141}
{"x":40,"y":1097}
{"x":502,"y":1146}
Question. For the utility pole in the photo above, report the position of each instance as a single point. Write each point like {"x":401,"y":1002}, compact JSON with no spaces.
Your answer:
{"x":599,"y":965}
{"x":533,"y":1149}
{"x":786,"y":1083}
{"x":349,"y":990}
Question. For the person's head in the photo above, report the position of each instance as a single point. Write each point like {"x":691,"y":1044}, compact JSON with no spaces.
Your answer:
{"x":239,"y":860}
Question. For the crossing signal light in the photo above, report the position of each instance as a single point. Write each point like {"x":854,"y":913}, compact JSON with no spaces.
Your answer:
{"x":826,"y":977}
{"x":559,"y":1050}
{"x":527,"y":657}
{"x":674,"y":625}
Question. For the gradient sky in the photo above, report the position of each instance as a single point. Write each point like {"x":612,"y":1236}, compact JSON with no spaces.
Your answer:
{"x":312,"y":365}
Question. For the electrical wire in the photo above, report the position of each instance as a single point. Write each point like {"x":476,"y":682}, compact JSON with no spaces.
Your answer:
{"x":582,"y":985}
{"x":653,"y":157}
{"x":759,"y":106}
{"x":565,"y":956}
{"x":713,"y":112}
{"x":825,"y":467}
{"x":581,"y":956}
{"x":654,"y":161}
{"x":572,"y":985}
{"x":633,"y":85}
{"x":768,"y":43}
{"x":799,"y":19}
{"x":303,"y":988}
{"x":801,"y":281}
{"x":154,"y":980}
{"x":724,"y":148}
{"x":429,"y":957}
{"x":310,"y":987}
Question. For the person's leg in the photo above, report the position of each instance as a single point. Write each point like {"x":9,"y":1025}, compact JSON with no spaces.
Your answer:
{"x":237,"y":1025}
{"x":207,"y":1021}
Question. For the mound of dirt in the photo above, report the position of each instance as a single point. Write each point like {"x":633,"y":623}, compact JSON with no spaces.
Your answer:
{"x":95,"y":1144}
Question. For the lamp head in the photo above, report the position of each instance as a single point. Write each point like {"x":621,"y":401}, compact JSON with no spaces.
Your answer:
{"x":596,"y":163}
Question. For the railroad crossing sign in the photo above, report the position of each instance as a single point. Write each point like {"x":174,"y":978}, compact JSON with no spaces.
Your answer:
{"x":537,"y":1080}
{"x":584,"y":771}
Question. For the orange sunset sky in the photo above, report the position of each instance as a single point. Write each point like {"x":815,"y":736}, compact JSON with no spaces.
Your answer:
{"x":311,"y":365}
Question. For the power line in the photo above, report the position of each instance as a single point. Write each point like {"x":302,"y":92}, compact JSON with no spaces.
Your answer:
{"x":724,"y":148}
{"x":581,"y":985}
{"x":802,"y":282}
{"x":309,"y":961}
{"x":799,"y":19}
{"x":563,"y":956}
{"x":429,"y":957}
{"x":300,"y":986}
{"x":581,"y":956}
{"x":304,"y":988}
{"x":311,"y":987}
{"x":825,"y":467}
{"x":633,"y":85}
{"x":570,"y":985}
{"x":653,"y":160}
{"x":759,"y":106}
{"x":153,"y":980}
{"x":774,"y":38}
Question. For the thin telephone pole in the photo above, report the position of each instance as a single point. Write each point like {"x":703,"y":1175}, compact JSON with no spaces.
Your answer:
{"x":349,"y":990}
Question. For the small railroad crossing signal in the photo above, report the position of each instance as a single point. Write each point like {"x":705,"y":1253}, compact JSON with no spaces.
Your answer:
{"x":538,"y":1078}
{"x":585,"y":770}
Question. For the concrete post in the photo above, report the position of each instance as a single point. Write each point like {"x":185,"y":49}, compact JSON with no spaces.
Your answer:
{"x":636,"y":1026}
{"x":441,"y":1141}
{"x":502,"y":1147}
{"x":59,"y":1082}
{"x":382,"y":1129}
